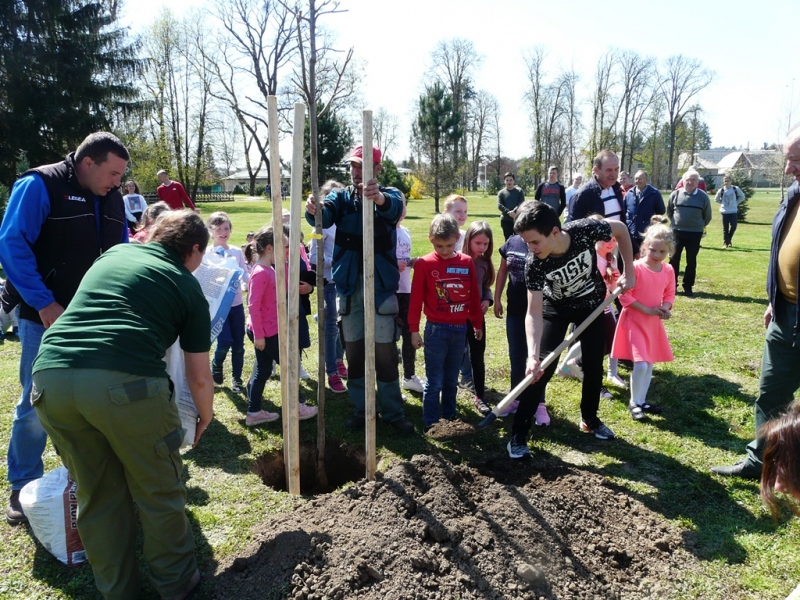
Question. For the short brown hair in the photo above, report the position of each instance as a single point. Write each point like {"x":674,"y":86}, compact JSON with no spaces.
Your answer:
{"x":601,"y":156}
{"x":444,"y":227}
{"x":97,"y":146}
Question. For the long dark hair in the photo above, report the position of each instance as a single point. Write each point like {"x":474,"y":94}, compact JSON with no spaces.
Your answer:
{"x":782,"y":459}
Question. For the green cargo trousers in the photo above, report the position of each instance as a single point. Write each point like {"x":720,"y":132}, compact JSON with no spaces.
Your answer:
{"x":780,"y":375}
{"x":118,"y":435}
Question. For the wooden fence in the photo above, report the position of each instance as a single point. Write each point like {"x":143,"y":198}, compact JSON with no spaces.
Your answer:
{"x":201,"y":197}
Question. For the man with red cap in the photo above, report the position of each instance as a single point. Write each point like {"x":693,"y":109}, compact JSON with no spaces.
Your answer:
{"x":343,"y":207}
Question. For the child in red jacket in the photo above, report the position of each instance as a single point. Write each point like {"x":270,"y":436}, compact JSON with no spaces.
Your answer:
{"x":446,"y":285}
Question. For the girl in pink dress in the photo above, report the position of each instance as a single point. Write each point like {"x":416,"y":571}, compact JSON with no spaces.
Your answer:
{"x":641,"y":336}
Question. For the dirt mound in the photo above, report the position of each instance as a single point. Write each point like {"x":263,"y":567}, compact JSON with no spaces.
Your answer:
{"x":430,"y":529}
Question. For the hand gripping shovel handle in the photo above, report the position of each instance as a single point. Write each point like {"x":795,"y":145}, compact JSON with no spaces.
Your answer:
{"x":512,"y":395}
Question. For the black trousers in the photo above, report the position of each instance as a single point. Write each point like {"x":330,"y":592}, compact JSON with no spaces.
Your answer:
{"x":690,"y":241}
{"x":592,"y":340}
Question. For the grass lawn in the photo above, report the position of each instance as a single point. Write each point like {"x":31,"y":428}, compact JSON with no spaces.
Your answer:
{"x":707,"y":395}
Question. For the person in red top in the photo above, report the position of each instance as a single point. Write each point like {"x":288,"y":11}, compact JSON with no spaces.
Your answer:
{"x":446,"y":286}
{"x":173,"y":193}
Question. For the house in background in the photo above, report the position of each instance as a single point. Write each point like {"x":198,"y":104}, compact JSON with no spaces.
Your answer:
{"x":242,"y":178}
{"x":763,"y":167}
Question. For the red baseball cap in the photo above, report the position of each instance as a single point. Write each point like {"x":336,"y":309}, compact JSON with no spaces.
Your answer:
{"x":357,"y":155}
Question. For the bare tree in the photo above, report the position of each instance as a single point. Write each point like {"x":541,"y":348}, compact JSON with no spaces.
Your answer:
{"x":605,"y":109}
{"x":535,"y":96}
{"x":455,"y":62}
{"x":257,"y":41}
{"x":636,"y":75}
{"x":178,"y":80}
{"x":320,"y":78}
{"x":572,"y":122}
{"x":385,"y":128}
{"x":682,"y":79}
{"x":478,"y":128}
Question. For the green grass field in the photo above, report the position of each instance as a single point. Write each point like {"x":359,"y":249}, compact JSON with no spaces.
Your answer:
{"x":707,"y":395}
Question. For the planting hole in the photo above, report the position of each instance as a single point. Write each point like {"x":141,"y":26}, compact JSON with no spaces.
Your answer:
{"x":343,"y":464}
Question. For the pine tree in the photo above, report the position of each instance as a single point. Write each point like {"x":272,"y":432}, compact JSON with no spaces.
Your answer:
{"x":67,"y":70}
{"x":334,"y":140}
{"x":438,"y":129}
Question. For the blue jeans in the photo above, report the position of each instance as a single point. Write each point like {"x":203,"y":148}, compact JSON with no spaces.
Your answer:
{"x":232,"y":338}
{"x":444,"y":349}
{"x":262,"y":370}
{"x":334,"y":351}
{"x":28,"y":437}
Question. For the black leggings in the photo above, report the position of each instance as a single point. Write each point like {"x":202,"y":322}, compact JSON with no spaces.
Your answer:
{"x":592,"y":340}
{"x":477,"y":348}
{"x":409,"y":353}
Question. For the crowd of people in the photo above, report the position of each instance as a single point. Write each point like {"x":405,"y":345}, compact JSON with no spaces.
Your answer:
{"x":97,"y":314}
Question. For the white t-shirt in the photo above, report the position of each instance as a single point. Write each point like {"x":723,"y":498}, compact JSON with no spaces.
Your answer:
{"x":462,"y":234}
{"x":403,"y":252}
{"x":134,"y":203}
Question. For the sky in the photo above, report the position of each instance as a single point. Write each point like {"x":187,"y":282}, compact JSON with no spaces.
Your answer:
{"x":746,"y":44}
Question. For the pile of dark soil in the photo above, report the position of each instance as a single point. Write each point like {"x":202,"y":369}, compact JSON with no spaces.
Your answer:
{"x":430,"y":529}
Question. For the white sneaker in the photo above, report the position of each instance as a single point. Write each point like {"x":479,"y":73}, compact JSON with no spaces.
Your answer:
{"x":617,"y":381}
{"x":414,"y":384}
{"x":303,"y":374}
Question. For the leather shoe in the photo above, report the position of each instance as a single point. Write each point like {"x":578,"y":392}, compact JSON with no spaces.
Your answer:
{"x":742,"y":469}
{"x":403,"y":426}
{"x":14,"y":514}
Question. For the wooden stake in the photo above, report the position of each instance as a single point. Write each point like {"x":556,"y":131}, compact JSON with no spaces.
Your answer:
{"x":296,"y":206}
{"x":322,"y":474}
{"x":369,"y":297}
{"x":288,"y":394}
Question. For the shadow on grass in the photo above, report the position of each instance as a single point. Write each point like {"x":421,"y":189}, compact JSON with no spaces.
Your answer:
{"x":728,"y":298}
{"x":221,"y":448}
{"x":689,"y":407}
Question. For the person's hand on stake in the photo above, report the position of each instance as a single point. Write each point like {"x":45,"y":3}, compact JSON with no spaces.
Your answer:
{"x":373,"y":192}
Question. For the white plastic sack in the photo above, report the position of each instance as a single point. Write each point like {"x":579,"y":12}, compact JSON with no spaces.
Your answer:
{"x":219,"y":277}
{"x":51,"y":505}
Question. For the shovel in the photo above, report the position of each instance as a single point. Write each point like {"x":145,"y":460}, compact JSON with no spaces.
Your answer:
{"x":512,"y":395}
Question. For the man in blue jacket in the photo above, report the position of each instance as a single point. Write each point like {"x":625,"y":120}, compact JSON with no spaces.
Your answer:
{"x":642,"y":201}
{"x":602,"y":194}
{"x":344,"y":208}
{"x":780,"y":376}
{"x":59,"y":219}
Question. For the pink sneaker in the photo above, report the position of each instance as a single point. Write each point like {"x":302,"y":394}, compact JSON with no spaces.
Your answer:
{"x":542,"y":419}
{"x":341,"y":369}
{"x":262,"y":416}
{"x":335,"y":384}
{"x":512,"y":410}
{"x":307,"y":412}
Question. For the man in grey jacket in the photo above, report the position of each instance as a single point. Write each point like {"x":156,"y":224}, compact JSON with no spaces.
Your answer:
{"x":729,"y":197}
{"x":689,"y":212}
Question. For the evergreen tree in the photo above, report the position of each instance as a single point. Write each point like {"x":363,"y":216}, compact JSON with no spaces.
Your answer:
{"x":334,"y":141}
{"x":391,"y":177}
{"x":437,"y":127}
{"x":67,"y":70}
